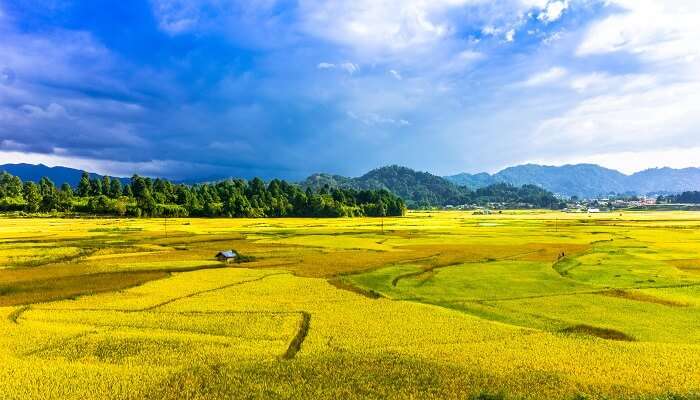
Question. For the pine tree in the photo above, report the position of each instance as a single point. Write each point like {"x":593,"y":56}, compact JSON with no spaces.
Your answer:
{"x":84,"y":185}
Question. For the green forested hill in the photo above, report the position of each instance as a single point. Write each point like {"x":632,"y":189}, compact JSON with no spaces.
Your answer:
{"x":422,"y":189}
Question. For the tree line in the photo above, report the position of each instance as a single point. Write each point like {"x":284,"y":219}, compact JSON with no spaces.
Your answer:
{"x":683,"y":198}
{"x":146,"y":197}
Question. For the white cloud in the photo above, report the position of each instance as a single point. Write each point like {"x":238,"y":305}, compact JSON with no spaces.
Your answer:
{"x":175,"y":16}
{"x":635,"y":116}
{"x":370,"y":25}
{"x":395,"y":74}
{"x":551,"y":75}
{"x":348,"y":67}
{"x":596,"y":80}
{"x":553,"y":11}
{"x":552,"y":38}
{"x":459,"y":63}
{"x":601,"y":82}
{"x":398,"y":25}
{"x":654,"y":30}
{"x":490,"y":30}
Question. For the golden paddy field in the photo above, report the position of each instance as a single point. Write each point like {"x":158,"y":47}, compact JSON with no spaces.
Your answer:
{"x":441,"y":305}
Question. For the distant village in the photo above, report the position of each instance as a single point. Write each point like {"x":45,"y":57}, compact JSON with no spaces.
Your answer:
{"x":575,"y":205}
{"x":609,"y":204}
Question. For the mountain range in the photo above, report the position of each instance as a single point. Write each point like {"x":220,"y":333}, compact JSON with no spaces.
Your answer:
{"x":422,"y":189}
{"x":59,"y":175}
{"x":588,"y":180}
{"x":582,"y":180}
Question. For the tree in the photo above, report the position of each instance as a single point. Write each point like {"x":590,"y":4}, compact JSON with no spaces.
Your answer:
{"x":32,"y":196}
{"x":46,"y":187}
{"x":67,"y":190}
{"x":127,"y":191}
{"x":381,"y":209}
{"x":115,"y":188}
{"x":10,"y":186}
{"x":142,"y":193}
{"x":96,"y":187}
{"x":64,"y":198}
{"x":49,"y":198}
{"x":106,"y":185}
{"x":84,"y":185}
{"x":232,"y":198}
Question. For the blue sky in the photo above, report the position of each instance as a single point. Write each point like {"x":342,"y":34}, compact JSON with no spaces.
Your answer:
{"x":209,"y":88}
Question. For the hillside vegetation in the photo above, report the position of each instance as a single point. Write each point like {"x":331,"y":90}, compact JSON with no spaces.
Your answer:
{"x":683,"y":198}
{"x":160,"y":197}
{"x":422,"y":189}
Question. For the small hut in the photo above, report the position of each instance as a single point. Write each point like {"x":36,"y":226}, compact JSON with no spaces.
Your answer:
{"x":226,"y":256}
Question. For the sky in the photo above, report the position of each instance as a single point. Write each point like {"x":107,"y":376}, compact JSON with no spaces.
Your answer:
{"x":199,"y":89}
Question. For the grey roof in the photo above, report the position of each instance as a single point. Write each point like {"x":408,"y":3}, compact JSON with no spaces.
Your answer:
{"x":227,"y":254}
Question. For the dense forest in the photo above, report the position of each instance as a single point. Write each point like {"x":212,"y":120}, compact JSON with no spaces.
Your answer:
{"x":683,"y":198}
{"x":425,"y":190}
{"x":230,"y":198}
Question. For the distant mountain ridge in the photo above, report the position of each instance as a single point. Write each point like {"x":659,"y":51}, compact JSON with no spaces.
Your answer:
{"x":422,"y":189}
{"x":582,"y":180}
{"x":588,"y":180}
{"x":58,"y":175}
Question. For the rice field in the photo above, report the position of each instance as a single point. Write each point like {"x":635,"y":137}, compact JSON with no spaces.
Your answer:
{"x":437,"y":305}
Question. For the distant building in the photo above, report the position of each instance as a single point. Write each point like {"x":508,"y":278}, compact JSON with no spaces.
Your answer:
{"x":226,"y":255}
{"x":650,"y":201}
{"x":594,"y":210}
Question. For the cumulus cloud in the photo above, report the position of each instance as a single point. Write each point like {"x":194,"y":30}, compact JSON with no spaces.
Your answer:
{"x":655,"y":105}
{"x":653,"y":30}
{"x":553,"y":10}
{"x":370,"y":25}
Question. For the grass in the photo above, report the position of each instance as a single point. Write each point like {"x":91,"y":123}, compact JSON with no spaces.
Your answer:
{"x":443,"y":305}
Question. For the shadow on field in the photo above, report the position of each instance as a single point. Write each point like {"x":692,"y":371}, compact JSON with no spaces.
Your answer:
{"x":603,"y":333}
